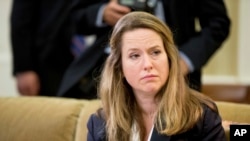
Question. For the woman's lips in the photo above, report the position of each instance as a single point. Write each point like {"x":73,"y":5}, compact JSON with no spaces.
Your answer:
{"x":149,"y":76}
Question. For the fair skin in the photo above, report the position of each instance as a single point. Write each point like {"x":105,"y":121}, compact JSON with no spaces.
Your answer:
{"x":28,"y":83}
{"x":113,"y":12}
{"x":145,"y":67}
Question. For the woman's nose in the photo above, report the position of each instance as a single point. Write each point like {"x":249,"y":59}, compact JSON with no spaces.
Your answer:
{"x":147,"y":62}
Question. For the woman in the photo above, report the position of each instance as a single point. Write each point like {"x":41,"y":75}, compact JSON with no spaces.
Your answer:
{"x":144,"y":93}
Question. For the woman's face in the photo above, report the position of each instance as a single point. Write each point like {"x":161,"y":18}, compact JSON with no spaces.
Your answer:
{"x":144,"y":61}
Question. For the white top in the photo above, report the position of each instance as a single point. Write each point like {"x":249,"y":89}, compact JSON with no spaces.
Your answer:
{"x":135,"y":136}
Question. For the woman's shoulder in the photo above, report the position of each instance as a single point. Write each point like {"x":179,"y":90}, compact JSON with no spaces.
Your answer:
{"x":96,"y":126}
{"x":96,"y":119}
{"x":210,"y":124}
{"x":210,"y":110}
{"x":208,"y":127}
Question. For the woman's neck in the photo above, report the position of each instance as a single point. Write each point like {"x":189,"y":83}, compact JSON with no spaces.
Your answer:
{"x":148,"y":106}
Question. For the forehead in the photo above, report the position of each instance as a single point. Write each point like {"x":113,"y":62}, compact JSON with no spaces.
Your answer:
{"x":141,"y":37}
{"x":140,"y":31}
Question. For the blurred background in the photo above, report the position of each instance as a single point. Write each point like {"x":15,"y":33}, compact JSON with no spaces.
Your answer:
{"x":230,"y":65}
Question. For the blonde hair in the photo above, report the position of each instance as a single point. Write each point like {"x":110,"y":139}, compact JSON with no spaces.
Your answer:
{"x":176,"y":99}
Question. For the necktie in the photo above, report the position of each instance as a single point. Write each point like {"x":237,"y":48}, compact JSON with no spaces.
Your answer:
{"x":78,"y":45}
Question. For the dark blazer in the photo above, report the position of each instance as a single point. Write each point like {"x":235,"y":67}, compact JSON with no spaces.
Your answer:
{"x":180,"y":16}
{"x":209,"y":128}
{"x":41,"y":37}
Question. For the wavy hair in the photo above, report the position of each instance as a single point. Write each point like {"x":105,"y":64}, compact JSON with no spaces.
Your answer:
{"x":176,"y":99}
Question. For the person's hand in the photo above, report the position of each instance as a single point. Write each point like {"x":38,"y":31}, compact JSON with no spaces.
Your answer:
{"x":184,"y":67}
{"x":28,"y":83}
{"x":113,"y":12}
{"x":226,"y":123}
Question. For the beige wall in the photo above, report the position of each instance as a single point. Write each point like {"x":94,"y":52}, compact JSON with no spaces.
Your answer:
{"x":222,"y":60}
{"x":231,"y":62}
{"x":7,"y":83}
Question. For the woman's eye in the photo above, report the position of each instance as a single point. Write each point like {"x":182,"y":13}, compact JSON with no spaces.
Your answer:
{"x":156,"y":52}
{"x":134,"y":56}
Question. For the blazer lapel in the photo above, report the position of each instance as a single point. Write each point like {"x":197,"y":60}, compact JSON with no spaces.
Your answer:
{"x":158,"y":137}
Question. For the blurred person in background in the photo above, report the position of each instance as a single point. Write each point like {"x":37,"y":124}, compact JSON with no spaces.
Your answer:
{"x":40,"y":38}
{"x":196,"y":46}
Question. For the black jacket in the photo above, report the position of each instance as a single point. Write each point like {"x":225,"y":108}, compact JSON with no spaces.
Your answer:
{"x":41,"y":32}
{"x":209,"y":128}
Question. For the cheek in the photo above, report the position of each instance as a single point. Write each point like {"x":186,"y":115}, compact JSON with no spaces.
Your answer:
{"x":164,"y":69}
{"x":130,"y":72}
{"x":130,"y":76}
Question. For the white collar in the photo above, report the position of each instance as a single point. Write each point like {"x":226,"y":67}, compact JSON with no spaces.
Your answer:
{"x":135,"y":136}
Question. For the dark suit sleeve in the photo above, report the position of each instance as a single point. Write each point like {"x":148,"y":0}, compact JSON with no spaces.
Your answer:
{"x":22,"y":25}
{"x":85,"y":16}
{"x":96,"y":128}
{"x":212,"y":129}
{"x":215,"y":24}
